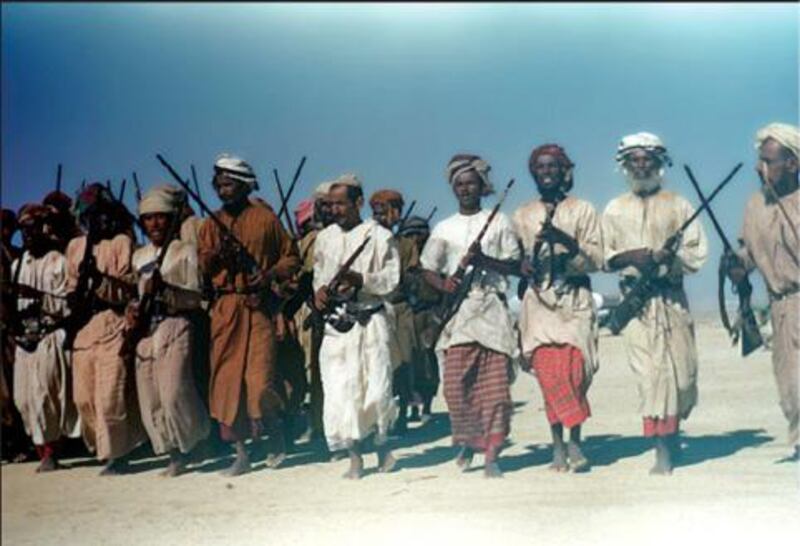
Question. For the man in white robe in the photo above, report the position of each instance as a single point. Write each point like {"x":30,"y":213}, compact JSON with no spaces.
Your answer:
{"x":660,"y":339}
{"x":42,"y":371}
{"x":356,"y":366}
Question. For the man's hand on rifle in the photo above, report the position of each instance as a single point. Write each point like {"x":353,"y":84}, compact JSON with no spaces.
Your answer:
{"x":665,"y":256}
{"x":262,"y":280}
{"x":321,"y":298}
{"x":550,"y":232}
{"x":155,"y":283}
{"x":526,"y":269}
{"x":132,"y":314}
{"x":350,"y":280}
{"x":450,"y":284}
{"x":733,"y":267}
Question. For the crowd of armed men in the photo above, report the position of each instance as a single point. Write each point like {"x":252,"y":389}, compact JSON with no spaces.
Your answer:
{"x":225,"y":331}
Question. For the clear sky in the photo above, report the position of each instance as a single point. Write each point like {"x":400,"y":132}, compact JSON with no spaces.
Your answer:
{"x":391,"y":92}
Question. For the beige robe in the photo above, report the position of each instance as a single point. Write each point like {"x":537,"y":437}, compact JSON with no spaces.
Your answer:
{"x":770,"y":246}
{"x":405,"y":335}
{"x":172,"y":412}
{"x":43,"y":378}
{"x":104,"y":388}
{"x":660,"y":342}
{"x":550,"y":316}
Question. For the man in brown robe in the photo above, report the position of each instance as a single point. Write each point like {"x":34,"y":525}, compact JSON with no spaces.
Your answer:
{"x":104,"y":387}
{"x":770,"y":243}
{"x":243,"y":372}
{"x":387,"y":209}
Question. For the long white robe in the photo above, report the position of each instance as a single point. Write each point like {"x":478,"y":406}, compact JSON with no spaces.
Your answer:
{"x":43,"y":377}
{"x":356,"y":366}
{"x":660,"y":342}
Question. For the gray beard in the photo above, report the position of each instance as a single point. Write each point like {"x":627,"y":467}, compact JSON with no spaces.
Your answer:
{"x":641,"y":186}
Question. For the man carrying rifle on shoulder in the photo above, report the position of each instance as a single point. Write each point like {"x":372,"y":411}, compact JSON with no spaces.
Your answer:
{"x":356,"y":266}
{"x":100,"y":283}
{"x":478,"y":337}
{"x":660,"y":334}
{"x":160,"y":334}
{"x":42,"y":374}
{"x":558,"y":323}
{"x":770,"y":243}
{"x":243,"y":251}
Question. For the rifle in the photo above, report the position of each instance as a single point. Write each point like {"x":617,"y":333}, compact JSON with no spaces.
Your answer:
{"x":247,"y":262}
{"x":284,"y":200}
{"x":647,"y":285}
{"x":135,"y":333}
{"x":403,"y":220}
{"x":537,"y":246}
{"x":137,"y":187}
{"x":58,"y":179}
{"x":121,"y":197}
{"x":428,"y":219}
{"x":451,"y":303}
{"x":324,"y":315}
{"x":751,"y":337}
{"x":197,"y":188}
{"x":81,"y":300}
{"x":292,"y":186}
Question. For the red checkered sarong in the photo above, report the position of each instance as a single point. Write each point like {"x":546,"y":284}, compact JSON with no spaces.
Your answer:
{"x":655,"y":426}
{"x":476,"y":390}
{"x":559,"y":370}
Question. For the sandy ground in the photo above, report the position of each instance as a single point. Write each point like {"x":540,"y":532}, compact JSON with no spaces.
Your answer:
{"x":731,"y":488}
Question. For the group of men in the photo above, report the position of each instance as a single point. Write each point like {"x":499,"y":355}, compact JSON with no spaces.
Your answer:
{"x":221,"y":327}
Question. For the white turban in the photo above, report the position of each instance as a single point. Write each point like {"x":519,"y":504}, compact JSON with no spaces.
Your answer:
{"x":464,"y":163}
{"x":348,"y":179}
{"x":166,"y":199}
{"x":237,"y":169}
{"x":643,"y":141}
{"x":784,"y":134}
{"x":322,"y":190}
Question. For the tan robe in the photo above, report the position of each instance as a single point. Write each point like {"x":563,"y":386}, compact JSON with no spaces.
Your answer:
{"x":550,"y":315}
{"x":660,"y":342}
{"x":172,"y":412}
{"x":43,"y":378}
{"x":306,"y":248}
{"x":243,"y":338}
{"x":770,"y":246}
{"x":190,"y":229}
{"x":104,"y":388}
{"x":405,"y":336}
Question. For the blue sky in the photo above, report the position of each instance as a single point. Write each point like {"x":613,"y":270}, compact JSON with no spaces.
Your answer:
{"x":391,"y":92}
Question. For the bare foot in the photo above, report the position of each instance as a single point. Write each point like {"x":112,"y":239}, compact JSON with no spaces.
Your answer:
{"x":464,"y":459}
{"x":240,"y":466}
{"x":356,"y":470}
{"x":274,"y":460}
{"x":386,"y":461}
{"x":114,"y":467}
{"x":577,"y":461}
{"x":663,"y":466}
{"x":492,"y":470}
{"x":559,"y":463}
{"x":49,"y":464}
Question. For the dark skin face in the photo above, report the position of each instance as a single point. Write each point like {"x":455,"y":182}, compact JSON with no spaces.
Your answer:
{"x":156,"y":226}
{"x":324,"y":213}
{"x":34,"y":239}
{"x":467,"y":187}
{"x":232,"y":193}
{"x":549,"y":176}
{"x":385,"y":214}
{"x":344,"y":211}
{"x":777,"y":166}
{"x":642,"y":164}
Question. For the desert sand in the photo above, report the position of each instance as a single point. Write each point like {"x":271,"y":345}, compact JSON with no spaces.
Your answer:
{"x":731,"y":488}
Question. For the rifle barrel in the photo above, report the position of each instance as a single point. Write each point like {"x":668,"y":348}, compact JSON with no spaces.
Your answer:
{"x":710,"y":198}
{"x":725,"y":242}
{"x":283,"y":208}
{"x":197,"y":188}
{"x":292,"y":186}
{"x":58,"y":179}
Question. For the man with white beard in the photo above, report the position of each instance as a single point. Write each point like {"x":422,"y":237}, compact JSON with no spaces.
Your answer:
{"x":660,"y":339}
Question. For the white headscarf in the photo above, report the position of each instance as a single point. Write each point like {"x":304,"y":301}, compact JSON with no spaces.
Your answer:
{"x":643,"y":141}
{"x":784,"y":134}
{"x":322,"y":190}
{"x":165,"y":198}
{"x":347,"y":179}
{"x":237,"y":169}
